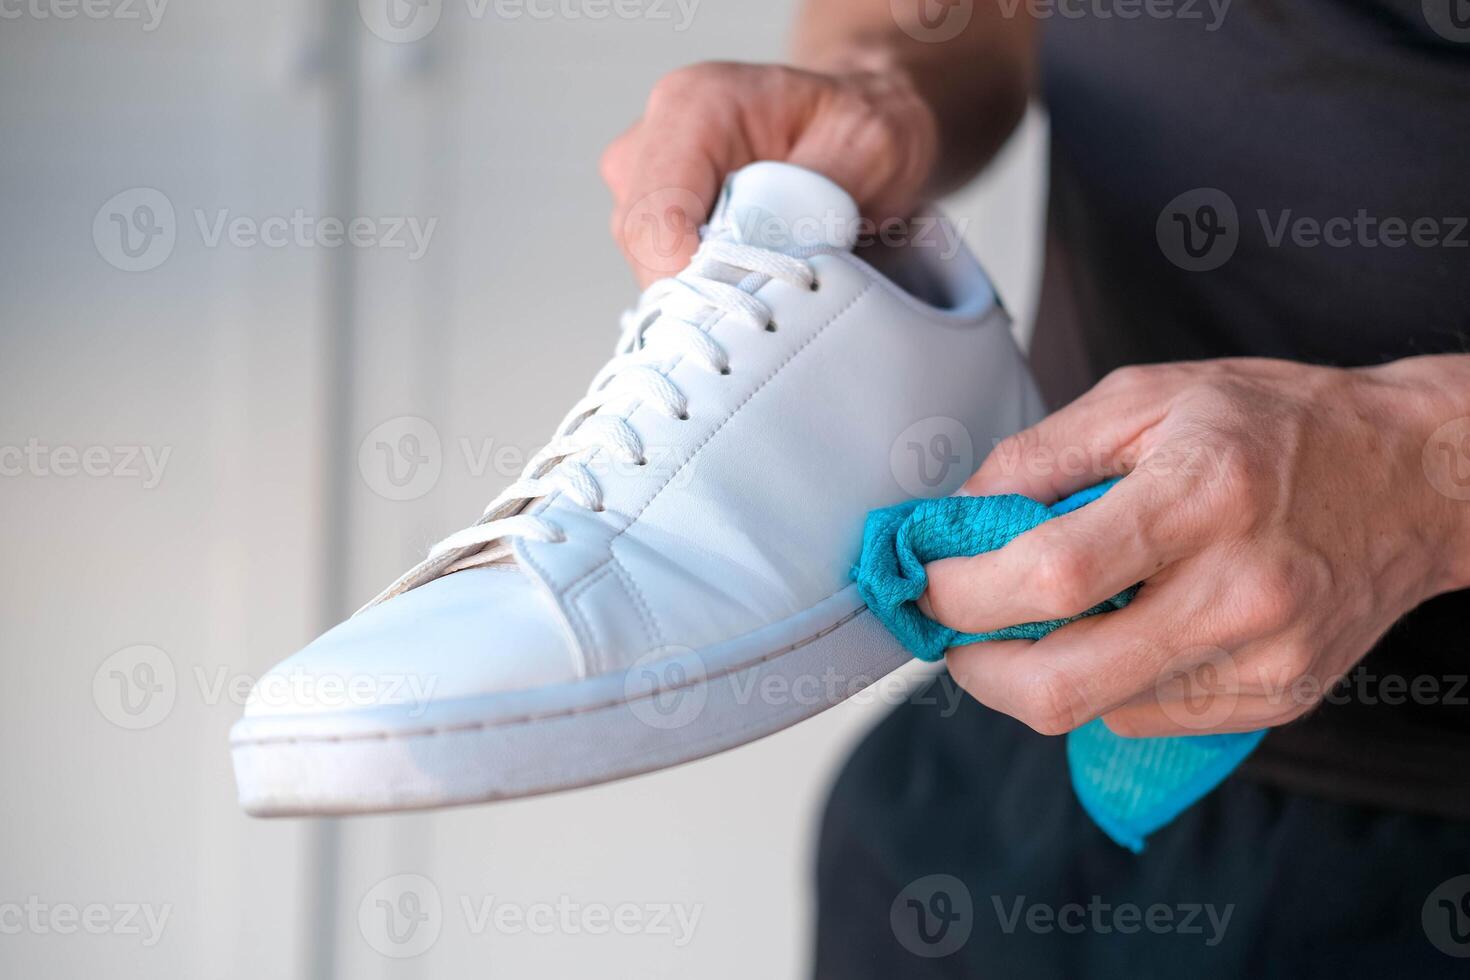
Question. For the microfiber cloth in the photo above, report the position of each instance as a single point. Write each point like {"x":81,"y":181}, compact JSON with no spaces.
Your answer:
{"x":1130,"y":787}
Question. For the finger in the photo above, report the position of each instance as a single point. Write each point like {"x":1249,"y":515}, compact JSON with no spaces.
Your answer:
{"x":1172,"y":720}
{"x":1071,"y":563}
{"x":1085,"y":669}
{"x":668,"y":173}
{"x":1099,"y":435}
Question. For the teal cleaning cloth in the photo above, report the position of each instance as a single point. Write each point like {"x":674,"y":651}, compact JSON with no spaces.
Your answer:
{"x":1130,"y":787}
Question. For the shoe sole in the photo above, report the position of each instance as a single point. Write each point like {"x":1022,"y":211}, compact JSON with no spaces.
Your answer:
{"x":670,"y":707}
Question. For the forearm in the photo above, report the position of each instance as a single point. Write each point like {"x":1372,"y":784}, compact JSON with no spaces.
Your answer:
{"x":976,"y":83}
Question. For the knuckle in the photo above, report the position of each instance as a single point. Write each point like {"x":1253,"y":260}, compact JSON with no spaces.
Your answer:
{"x":1127,"y":377}
{"x":1291,"y":665}
{"x":1267,"y":597}
{"x":1010,"y":455}
{"x":1049,"y":704}
{"x":609,"y":163}
{"x":947,"y":598}
{"x":1126,"y":724}
{"x":1060,"y":579}
{"x":690,"y":81}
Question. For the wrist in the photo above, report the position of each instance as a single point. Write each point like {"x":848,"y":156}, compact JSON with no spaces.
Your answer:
{"x":1429,"y":399}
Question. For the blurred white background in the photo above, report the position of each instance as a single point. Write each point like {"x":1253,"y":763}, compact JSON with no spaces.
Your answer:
{"x":183,"y":501}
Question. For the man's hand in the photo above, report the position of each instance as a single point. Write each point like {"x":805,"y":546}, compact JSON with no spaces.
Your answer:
{"x":875,"y":101}
{"x":1280,"y":516}
{"x":868,"y":131}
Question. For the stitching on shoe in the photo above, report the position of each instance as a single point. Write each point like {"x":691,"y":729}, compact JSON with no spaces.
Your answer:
{"x":640,"y":601}
{"x":473,"y":726}
{"x":582,"y":623}
{"x":633,"y":519}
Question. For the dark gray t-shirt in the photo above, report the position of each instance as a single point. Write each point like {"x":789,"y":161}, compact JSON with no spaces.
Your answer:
{"x":1284,"y":178}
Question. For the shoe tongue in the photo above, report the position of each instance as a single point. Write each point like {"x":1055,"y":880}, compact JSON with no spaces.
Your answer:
{"x":785,"y":208}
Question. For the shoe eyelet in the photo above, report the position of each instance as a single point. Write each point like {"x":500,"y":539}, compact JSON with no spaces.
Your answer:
{"x":684,"y":417}
{"x":725,"y":371}
{"x":771,"y":327}
{"x":816,"y":285}
{"x":642,"y":462}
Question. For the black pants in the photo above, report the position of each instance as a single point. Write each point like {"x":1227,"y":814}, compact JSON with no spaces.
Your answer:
{"x":952,"y":846}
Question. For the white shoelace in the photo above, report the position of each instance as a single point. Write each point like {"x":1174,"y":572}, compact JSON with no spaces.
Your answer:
{"x":664,"y":328}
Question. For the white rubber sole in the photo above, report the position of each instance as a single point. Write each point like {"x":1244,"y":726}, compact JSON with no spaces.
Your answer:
{"x":670,"y":707}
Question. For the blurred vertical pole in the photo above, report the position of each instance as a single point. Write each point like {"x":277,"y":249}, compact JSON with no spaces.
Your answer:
{"x":342,"y":38}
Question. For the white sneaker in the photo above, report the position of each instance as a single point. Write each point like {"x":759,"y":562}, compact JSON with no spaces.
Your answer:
{"x":670,"y":576}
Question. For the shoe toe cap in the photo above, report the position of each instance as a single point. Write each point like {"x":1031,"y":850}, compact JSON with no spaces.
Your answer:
{"x":477,"y":632}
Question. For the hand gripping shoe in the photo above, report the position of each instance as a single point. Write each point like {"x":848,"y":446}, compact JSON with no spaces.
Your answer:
{"x":669,"y":577}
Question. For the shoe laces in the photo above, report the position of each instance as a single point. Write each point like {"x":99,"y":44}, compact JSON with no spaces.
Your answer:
{"x":667,"y":326}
